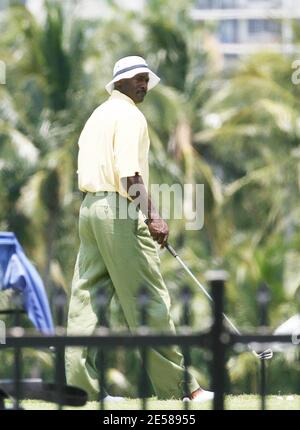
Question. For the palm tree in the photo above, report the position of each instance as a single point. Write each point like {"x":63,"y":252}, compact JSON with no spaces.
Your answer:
{"x":41,"y":107}
{"x":254,"y":141}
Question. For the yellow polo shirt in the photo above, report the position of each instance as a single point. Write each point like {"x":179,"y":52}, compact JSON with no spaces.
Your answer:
{"x":114,"y":144}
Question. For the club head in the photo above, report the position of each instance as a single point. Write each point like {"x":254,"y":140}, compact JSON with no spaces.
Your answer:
{"x":267,"y":354}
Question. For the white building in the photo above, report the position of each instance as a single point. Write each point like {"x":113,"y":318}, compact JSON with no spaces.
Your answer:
{"x":241,"y":26}
{"x":245,"y":26}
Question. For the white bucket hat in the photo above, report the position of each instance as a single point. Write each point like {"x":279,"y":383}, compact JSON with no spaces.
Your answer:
{"x":127,"y":68}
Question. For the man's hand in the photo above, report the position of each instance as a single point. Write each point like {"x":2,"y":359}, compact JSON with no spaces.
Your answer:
{"x":159,"y":230}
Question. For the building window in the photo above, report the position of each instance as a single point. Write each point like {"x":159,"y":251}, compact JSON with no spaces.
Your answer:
{"x":270,"y":4}
{"x":228,"y":31}
{"x":263,"y":26}
{"x":235,"y":4}
{"x":216,"y":4}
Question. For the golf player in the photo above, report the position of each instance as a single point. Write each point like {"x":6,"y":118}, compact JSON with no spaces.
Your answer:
{"x":117,"y":248}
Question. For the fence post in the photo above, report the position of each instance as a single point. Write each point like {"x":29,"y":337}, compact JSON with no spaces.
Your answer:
{"x":59,"y":302}
{"x":217,"y":280}
{"x":263,"y":297}
{"x":18,"y":303}
{"x":186,"y":297}
{"x":143,"y":301}
{"x":101,"y":302}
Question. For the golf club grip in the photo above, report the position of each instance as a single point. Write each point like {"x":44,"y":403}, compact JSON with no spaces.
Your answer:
{"x":168,"y":247}
{"x":171,"y":250}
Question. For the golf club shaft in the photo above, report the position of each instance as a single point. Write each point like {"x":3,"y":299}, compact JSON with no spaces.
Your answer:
{"x":174,"y":254}
{"x":230,"y":323}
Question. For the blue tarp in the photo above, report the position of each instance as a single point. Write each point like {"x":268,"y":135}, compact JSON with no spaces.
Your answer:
{"x":17,"y":272}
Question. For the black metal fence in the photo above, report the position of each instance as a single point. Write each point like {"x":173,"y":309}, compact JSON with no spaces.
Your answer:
{"x":219,"y":340}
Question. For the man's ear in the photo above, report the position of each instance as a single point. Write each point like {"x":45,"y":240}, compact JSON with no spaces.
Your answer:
{"x":118,"y":84}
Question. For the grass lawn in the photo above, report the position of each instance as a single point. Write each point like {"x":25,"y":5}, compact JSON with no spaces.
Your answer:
{"x":244,"y":402}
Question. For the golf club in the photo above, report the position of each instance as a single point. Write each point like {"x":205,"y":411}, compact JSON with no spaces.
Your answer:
{"x":264,"y":355}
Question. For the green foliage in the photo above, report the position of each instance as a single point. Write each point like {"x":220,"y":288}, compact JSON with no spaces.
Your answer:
{"x":243,"y":402}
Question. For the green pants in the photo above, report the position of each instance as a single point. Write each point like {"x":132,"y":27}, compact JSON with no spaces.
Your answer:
{"x":119,"y":255}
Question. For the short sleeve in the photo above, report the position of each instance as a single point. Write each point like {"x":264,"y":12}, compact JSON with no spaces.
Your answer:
{"x":128,"y":137}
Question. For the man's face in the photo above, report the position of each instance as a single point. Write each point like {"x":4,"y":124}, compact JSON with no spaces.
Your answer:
{"x":135,"y":88}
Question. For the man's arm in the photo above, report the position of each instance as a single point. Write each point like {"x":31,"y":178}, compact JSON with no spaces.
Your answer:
{"x":158,"y":228}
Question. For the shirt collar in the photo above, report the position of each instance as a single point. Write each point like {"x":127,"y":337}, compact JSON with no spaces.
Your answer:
{"x":120,"y":96}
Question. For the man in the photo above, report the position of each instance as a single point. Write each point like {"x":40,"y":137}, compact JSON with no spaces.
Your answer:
{"x":118,"y":252}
